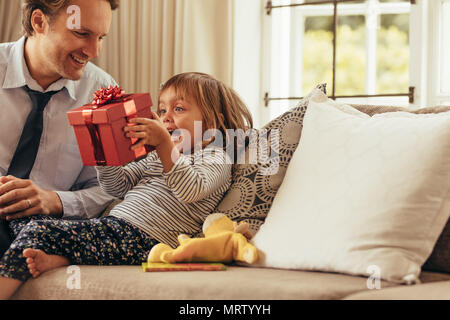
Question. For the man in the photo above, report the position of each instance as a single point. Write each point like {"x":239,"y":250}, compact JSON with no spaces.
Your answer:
{"x":41,"y":173}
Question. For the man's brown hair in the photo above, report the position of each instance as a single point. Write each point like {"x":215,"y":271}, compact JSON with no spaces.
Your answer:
{"x":50,"y":8}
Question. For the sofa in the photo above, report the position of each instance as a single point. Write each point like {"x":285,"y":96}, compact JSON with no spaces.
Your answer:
{"x":249,"y":199}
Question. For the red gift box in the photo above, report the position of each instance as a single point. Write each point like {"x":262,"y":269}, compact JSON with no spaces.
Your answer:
{"x":99,"y":127}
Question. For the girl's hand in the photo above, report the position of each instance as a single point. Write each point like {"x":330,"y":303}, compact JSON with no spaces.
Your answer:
{"x":152,"y":132}
{"x":149,"y":132}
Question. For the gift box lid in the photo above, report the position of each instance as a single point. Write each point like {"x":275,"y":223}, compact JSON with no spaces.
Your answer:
{"x":128,"y":105}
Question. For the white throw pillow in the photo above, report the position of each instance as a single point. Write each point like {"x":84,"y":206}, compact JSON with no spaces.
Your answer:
{"x":362,"y":195}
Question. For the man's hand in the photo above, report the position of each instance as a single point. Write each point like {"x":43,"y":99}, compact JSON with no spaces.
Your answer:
{"x":23,"y":198}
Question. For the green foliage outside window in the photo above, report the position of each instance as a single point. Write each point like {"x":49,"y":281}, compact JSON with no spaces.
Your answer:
{"x":392,"y":60}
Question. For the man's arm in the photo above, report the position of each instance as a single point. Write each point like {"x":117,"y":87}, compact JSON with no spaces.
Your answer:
{"x":21,"y":198}
{"x":86,"y":199}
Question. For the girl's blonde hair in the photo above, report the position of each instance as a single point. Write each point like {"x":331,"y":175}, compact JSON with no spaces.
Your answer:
{"x":214,"y":99}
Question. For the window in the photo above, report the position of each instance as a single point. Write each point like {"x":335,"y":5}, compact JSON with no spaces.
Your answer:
{"x":440,"y":91}
{"x":445,"y":49}
{"x":373,"y":52}
{"x":430,"y":45}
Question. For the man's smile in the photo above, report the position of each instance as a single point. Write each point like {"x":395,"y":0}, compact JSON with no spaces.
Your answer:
{"x":79,"y":61}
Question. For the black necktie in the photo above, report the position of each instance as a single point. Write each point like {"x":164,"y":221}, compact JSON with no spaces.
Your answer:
{"x":28,"y":146}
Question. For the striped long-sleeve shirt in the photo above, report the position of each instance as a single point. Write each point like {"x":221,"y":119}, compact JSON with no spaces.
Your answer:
{"x":165,"y":205}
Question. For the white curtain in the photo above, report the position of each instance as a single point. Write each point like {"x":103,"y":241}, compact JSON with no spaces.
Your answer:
{"x":151,"y":40}
{"x":10,"y":20}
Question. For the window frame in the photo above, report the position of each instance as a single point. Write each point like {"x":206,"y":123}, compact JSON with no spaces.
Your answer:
{"x":435,"y":94}
{"x":424,"y":52}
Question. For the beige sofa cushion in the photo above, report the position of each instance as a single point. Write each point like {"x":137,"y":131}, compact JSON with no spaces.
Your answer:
{"x":237,"y":283}
{"x":429,"y":291}
{"x":372,"y":110}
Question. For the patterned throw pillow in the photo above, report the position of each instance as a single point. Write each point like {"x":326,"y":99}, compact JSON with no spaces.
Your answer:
{"x":255,"y":183}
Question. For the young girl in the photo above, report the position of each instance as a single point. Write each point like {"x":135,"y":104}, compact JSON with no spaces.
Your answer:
{"x":168,"y":193}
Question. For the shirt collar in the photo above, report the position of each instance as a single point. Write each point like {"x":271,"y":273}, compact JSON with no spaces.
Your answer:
{"x":17,"y":74}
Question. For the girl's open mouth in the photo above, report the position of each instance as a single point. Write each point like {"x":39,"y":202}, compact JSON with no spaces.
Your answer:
{"x":175,"y":135}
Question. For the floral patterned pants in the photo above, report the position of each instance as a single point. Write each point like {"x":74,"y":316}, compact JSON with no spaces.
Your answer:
{"x":103,"y":241}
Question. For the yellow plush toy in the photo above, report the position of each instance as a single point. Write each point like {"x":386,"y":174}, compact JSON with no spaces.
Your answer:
{"x":224,"y":241}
